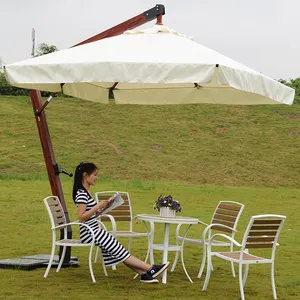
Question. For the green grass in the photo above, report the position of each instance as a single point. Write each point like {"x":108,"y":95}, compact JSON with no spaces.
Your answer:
{"x":25,"y":231}
{"x":200,"y":154}
{"x":214,"y":144}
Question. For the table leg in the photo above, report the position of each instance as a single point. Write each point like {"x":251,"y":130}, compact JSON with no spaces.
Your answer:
{"x":165,"y":252}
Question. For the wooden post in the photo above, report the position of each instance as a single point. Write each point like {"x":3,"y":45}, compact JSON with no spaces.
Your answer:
{"x":49,"y":158}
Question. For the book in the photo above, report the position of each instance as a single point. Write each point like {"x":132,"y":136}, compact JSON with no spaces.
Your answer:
{"x":114,"y":201}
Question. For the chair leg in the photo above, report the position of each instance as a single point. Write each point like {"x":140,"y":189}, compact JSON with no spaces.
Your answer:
{"x":175,"y":261}
{"x":273,"y":281}
{"x":232,"y":269}
{"x":129,"y":244}
{"x":176,"y":256}
{"x":103,"y":265}
{"x":96,"y":254}
{"x":50,"y":260}
{"x":61,"y":259}
{"x":241,"y":281}
{"x":245,"y":274}
{"x":208,"y":272}
{"x":91,"y":264}
{"x":232,"y":263}
{"x":203,"y":261}
{"x":181,"y":251}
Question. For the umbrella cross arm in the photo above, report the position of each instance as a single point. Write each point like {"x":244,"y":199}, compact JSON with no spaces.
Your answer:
{"x":149,"y":15}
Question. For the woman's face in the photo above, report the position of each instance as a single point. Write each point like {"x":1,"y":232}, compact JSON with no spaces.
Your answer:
{"x":92,"y":178}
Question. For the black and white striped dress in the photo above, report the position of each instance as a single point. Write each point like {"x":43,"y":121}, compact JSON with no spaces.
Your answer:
{"x":112,"y":251}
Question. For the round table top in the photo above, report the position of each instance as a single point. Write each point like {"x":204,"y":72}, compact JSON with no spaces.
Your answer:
{"x":170,"y":220}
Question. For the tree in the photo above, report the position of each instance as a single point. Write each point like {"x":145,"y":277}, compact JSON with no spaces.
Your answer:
{"x":295,"y":84}
{"x":45,"y":49}
{"x":6,"y":89}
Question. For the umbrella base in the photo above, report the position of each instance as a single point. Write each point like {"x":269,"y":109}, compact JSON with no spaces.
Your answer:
{"x":35,"y":261}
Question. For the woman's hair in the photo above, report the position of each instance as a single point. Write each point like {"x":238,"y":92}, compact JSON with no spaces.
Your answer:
{"x":89,"y":168}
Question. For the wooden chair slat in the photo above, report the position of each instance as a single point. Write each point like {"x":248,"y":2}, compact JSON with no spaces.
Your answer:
{"x":123,"y":207}
{"x":117,"y":218}
{"x":106,"y":197}
{"x":56,"y":208}
{"x":266,"y":245}
{"x":126,"y":202}
{"x":59,"y":221}
{"x":53,"y":202}
{"x":269,"y":227}
{"x":260,"y":239}
{"x":222,"y":217}
{"x":267,"y":222}
{"x":218,"y":221}
{"x":219,"y":228}
{"x":115,"y":212}
{"x":227,"y":212}
{"x":59,"y":214}
{"x":261,"y":233}
{"x":229,"y":207}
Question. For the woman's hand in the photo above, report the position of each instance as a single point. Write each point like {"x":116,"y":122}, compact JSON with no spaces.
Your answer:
{"x":103,"y":204}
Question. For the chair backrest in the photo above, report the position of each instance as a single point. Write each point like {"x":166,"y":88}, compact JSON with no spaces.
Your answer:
{"x":55,"y":211}
{"x":263,"y":231}
{"x":120,"y":213}
{"x":227,"y":213}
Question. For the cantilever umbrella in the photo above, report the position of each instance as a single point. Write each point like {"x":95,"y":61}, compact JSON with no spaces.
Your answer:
{"x":152,"y":66}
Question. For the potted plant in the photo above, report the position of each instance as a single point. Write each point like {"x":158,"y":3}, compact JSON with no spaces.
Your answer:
{"x":167,"y":206}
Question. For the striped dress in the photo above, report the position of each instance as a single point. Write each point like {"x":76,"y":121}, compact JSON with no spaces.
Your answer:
{"x":112,"y":251}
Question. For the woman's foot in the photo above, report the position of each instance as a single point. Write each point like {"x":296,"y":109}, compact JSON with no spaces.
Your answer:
{"x":147,"y":278}
{"x":156,"y":270}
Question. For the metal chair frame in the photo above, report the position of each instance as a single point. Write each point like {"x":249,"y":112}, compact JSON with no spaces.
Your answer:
{"x":123,"y":213}
{"x":224,"y":219}
{"x":58,"y":221}
{"x":262,"y":232}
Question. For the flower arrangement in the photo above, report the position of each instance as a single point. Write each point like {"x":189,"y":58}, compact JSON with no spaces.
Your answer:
{"x":167,"y":201}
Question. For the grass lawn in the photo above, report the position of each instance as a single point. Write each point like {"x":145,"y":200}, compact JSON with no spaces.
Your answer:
{"x":25,"y":231}
{"x":200,"y":154}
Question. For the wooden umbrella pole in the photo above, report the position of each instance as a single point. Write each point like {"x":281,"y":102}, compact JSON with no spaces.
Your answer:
{"x":49,"y":158}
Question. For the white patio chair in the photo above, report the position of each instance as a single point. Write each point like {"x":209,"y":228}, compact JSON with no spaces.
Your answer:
{"x":58,"y":221}
{"x":224,"y":219}
{"x":122,"y":215}
{"x":262,"y":232}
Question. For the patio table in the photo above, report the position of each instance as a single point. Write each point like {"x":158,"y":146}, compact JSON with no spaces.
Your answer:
{"x":166,"y":247}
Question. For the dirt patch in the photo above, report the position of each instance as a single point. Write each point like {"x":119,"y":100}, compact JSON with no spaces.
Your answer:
{"x":294,"y":132}
{"x":157,"y":148}
{"x":108,"y":147}
{"x":294,"y":116}
{"x":221,"y":130}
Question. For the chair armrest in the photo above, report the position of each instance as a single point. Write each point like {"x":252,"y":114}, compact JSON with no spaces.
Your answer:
{"x":223,"y":236}
{"x":102,"y":225}
{"x":179,"y":226}
{"x":112,"y":220}
{"x":203,"y":223}
{"x":146,"y":227}
{"x":208,"y":227}
{"x":75,"y":223}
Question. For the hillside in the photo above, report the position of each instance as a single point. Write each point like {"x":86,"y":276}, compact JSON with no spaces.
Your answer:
{"x":215,"y":144}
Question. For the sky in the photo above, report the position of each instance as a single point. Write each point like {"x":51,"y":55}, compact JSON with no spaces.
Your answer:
{"x":261,"y":34}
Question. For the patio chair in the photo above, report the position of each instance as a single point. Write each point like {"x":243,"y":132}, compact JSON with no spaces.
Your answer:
{"x":224,"y":219}
{"x":262,"y":232}
{"x":58,"y":221}
{"x":122,"y":221}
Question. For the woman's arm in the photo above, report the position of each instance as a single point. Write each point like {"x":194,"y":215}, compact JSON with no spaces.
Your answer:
{"x":84,"y":215}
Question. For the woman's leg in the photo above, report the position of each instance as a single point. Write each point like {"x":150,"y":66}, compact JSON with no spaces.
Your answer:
{"x":136,"y":264}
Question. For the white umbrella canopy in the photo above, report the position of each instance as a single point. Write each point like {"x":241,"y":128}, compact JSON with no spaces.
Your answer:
{"x":152,"y":66}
